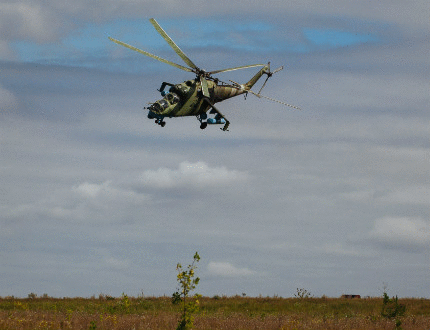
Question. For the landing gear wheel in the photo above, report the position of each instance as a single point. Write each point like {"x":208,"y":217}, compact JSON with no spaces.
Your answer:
{"x":160,"y":122}
{"x":203,"y":125}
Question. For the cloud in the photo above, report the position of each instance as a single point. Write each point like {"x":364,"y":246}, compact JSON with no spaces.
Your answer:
{"x":418,"y":195}
{"x":6,"y":52}
{"x":25,"y":20}
{"x":99,"y":201}
{"x":83,"y":202}
{"x":195,"y":175}
{"x":106,"y":191}
{"x":410,"y":234}
{"x":116,"y":263}
{"x":226,"y":269}
{"x":339,"y":249}
{"x":43,"y":21}
{"x":122,"y":200}
{"x":91,"y":189}
{"x":358,"y":195}
{"x":8,"y":101}
{"x":92,"y":185}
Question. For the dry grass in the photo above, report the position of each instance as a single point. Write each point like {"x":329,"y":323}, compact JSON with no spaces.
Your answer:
{"x":215,"y":313}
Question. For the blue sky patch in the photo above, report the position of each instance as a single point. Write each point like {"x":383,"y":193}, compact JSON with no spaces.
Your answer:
{"x":336,"y":38}
{"x":92,"y":41}
{"x":86,"y":46}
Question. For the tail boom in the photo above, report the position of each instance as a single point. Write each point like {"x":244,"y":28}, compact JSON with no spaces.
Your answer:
{"x":253,"y":80}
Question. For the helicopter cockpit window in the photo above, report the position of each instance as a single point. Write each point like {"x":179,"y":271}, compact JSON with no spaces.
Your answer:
{"x":156,"y":107}
{"x":163,"y":104}
{"x":173,"y":98}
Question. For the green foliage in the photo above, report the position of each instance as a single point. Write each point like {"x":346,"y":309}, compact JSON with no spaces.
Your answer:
{"x":391,"y":309}
{"x":125,"y":303}
{"x":93,"y":325}
{"x":187,"y":282}
{"x":32,"y":295}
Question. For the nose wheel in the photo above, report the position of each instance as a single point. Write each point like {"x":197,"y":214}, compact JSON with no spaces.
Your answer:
{"x":160,"y":122}
{"x":203,"y":125}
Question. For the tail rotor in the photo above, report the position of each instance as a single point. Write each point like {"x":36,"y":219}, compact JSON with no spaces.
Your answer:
{"x":269,"y":74}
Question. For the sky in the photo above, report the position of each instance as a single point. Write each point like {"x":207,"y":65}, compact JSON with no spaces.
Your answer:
{"x":95,"y":198}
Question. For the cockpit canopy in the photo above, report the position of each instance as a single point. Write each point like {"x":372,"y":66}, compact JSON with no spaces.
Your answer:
{"x":167,"y":101}
{"x":182,"y":88}
{"x":172,"y":98}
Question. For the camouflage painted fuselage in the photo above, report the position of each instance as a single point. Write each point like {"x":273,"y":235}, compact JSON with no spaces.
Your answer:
{"x":187,"y":99}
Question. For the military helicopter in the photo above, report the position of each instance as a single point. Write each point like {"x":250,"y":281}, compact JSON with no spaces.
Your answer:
{"x":197,"y":96}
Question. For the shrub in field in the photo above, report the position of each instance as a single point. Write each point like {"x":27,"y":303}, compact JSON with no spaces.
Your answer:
{"x":125,"y":303}
{"x":391,"y":309}
{"x":302,"y":294}
{"x":32,"y":295}
{"x":187,"y":282}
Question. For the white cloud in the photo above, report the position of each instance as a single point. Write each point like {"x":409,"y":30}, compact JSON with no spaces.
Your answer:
{"x":116,"y":263}
{"x":226,"y":269}
{"x":99,"y":201}
{"x":410,"y":195}
{"x":27,"y":21}
{"x":90,"y":189}
{"x":404,"y":232}
{"x":358,"y":195}
{"x":107,"y":191}
{"x":339,"y":249}
{"x":104,"y":201}
{"x":6,"y":53}
{"x":8,"y":101}
{"x":84,"y":181}
{"x":44,"y":20}
{"x":192,"y":175}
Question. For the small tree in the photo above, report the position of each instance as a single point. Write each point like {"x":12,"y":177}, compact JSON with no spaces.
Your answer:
{"x":187,"y":282}
{"x":391,"y":309}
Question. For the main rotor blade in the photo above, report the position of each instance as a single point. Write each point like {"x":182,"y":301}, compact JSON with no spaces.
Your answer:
{"x":150,"y":55}
{"x":172,"y":44}
{"x":288,"y":105}
{"x":236,"y":68}
{"x":205,"y":88}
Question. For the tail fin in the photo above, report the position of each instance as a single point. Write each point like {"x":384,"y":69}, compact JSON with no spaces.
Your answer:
{"x":253,"y":80}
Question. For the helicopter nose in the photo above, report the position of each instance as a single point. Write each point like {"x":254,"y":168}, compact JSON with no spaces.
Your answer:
{"x":155,"y":107}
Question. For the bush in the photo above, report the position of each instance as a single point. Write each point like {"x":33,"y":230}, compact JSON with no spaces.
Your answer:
{"x":187,"y":283}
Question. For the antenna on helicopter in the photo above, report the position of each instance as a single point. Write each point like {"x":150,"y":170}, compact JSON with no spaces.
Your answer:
{"x":274,"y":100}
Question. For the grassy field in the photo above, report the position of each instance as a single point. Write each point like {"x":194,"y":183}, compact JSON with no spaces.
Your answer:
{"x":226,"y":313}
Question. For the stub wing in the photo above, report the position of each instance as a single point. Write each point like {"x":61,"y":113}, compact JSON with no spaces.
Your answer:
{"x":219,"y":114}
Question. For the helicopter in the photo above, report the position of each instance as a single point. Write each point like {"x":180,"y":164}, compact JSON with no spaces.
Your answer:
{"x":196,"y":97}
